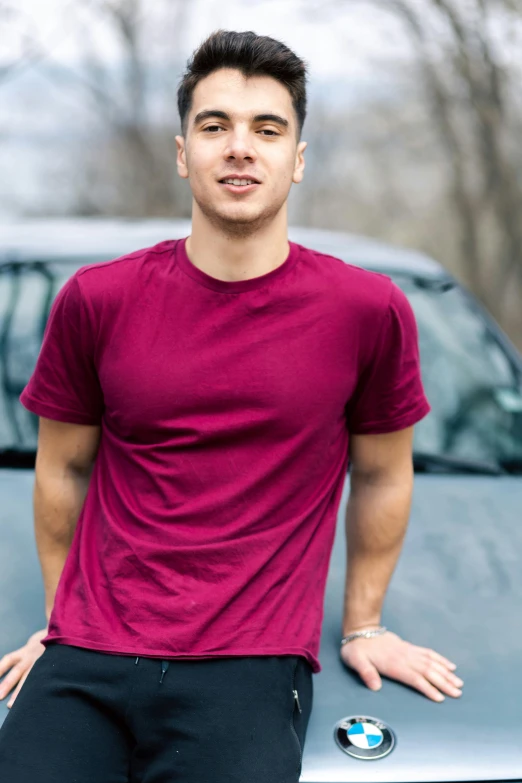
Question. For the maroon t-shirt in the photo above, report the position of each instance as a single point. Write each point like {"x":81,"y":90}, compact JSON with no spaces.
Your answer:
{"x":225,"y":411}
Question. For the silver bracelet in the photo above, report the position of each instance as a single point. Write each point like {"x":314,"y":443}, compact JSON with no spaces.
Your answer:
{"x":363,"y":634}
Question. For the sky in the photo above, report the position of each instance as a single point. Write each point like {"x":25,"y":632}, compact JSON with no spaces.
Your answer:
{"x":332,"y":42}
{"x":353,"y":49}
{"x":343,"y":38}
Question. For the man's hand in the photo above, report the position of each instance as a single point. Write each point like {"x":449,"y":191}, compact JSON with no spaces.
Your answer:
{"x":20,"y":663}
{"x":388,"y":654}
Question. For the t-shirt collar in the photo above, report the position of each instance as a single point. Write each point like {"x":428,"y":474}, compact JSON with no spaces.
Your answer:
{"x":234,"y":286}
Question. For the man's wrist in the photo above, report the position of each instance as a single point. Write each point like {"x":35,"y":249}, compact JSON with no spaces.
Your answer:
{"x":366,"y":633}
{"x":372,"y":624}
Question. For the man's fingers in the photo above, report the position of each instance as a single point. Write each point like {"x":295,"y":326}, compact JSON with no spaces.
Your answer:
{"x":17,"y":691}
{"x":11,"y":680}
{"x":426,"y":675}
{"x":419,"y":667}
{"x":420,"y":683}
{"x":444,"y":671}
{"x":441,"y":681}
{"x":369,"y":675}
{"x":8,"y":661}
{"x":435,"y":656}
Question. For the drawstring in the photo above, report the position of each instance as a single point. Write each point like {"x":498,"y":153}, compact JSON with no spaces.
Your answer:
{"x":164,"y":667}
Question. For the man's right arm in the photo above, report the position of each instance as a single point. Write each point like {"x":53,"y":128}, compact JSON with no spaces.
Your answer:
{"x":64,"y":461}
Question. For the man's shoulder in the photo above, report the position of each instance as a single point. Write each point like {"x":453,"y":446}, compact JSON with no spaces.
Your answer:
{"x":348,"y":279}
{"x":123,"y":268}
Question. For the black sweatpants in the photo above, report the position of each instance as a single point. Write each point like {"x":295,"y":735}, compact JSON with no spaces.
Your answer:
{"x":90,"y":717}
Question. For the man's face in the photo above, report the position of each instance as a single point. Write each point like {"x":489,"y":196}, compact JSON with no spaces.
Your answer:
{"x":240,"y":128}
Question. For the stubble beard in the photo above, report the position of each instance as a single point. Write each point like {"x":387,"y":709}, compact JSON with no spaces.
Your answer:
{"x":239,"y":227}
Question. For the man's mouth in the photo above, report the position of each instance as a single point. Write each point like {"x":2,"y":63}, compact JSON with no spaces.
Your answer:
{"x":238,"y":182}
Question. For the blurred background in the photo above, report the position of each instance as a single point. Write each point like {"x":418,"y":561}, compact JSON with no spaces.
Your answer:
{"x":413,"y":130}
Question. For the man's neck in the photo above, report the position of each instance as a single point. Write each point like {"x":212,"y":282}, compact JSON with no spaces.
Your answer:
{"x":232,"y":258}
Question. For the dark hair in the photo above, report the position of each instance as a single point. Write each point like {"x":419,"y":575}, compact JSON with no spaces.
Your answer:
{"x":253,"y":55}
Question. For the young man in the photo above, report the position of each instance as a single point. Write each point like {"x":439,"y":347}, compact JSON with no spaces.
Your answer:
{"x":198,"y":401}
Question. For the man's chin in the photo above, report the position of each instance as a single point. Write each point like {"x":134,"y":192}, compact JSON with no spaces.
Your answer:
{"x":242,"y":221}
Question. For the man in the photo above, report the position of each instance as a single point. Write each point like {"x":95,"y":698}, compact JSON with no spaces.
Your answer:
{"x":198,"y":401}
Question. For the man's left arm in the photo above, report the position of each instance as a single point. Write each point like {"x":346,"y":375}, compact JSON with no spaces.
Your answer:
{"x":381,"y":485}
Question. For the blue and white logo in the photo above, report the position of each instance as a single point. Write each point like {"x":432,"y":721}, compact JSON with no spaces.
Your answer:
{"x":364,"y":737}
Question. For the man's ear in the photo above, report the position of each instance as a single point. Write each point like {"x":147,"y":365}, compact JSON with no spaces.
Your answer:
{"x":181,"y":159}
{"x":299,"y":162}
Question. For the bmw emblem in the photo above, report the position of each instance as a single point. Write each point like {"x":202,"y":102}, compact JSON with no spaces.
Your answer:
{"x":364,"y":738}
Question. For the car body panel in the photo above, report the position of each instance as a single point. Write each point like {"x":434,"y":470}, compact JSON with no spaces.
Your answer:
{"x":110,"y":238}
{"x":457,"y":587}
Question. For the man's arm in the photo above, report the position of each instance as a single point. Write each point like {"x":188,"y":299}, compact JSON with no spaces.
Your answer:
{"x":381,"y":484}
{"x":376,"y":522}
{"x":64,"y":461}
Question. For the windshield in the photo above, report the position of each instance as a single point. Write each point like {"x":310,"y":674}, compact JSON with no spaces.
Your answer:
{"x":473,"y":385}
{"x":27,"y":291}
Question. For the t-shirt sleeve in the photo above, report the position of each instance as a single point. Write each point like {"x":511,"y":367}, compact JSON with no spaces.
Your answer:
{"x":64,"y":385}
{"x":390,"y":395}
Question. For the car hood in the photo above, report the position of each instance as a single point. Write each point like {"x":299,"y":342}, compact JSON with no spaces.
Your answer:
{"x":457,"y":589}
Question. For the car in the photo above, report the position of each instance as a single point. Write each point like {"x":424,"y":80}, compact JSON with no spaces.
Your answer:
{"x":457,"y":587}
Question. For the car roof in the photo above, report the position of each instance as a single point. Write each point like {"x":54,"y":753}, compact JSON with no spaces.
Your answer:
{"x":62,"y":239}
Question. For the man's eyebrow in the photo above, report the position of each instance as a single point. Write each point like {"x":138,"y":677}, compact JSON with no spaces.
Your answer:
{"x":209,"y":113}
{"x":272,"y":118}
{"x":205,"y":115}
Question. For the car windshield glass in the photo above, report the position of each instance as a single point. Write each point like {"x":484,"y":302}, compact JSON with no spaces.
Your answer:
{"x":472,"y":382}
{"x":27,"y":290}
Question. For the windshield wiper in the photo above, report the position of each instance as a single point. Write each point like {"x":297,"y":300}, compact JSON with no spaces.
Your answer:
{"x":513,"y":466}
{"x":17,"y":458}
{"x":423,"y":462}
{"x":437,"y":284}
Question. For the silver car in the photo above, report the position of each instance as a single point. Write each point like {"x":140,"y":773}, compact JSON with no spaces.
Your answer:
{"x":458,"y":584}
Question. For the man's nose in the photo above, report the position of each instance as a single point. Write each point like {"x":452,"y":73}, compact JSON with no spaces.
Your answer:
{"x":241,"y":146}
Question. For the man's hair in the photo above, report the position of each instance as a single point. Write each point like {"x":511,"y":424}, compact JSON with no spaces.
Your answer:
{"x":253,"y":55}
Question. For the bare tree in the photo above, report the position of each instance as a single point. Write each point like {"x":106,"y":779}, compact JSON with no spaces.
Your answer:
{"x":487,"y":101}
{"x":16,"y":29}
{"x":129,"y":166}
{"x":470,"y":95}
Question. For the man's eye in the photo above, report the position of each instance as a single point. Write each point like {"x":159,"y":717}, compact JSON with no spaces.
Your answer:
{"x":210,"y":127}
{"x":271,"y":132}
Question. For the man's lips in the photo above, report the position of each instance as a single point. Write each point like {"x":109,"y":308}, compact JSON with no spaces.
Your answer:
{"x":240,"y":177}
{"x":240,"y":188}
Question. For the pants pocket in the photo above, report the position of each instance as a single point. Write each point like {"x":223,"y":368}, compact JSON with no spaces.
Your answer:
{"x":302,"y":696}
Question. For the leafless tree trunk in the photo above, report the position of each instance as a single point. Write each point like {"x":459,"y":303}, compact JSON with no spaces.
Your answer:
{"x":470,"y":95}
{"x":441,"y":104}
{"x":133,"y":155}
{"x":485,"y":82}
{"x":16,"y":27}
